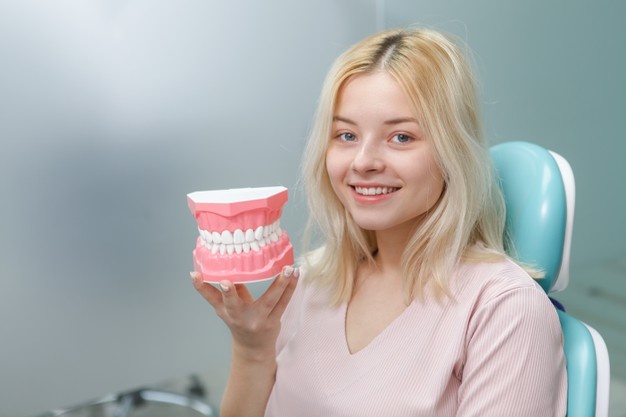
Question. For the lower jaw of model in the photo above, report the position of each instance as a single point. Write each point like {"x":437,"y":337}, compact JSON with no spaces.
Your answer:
{"x":240,"y":235}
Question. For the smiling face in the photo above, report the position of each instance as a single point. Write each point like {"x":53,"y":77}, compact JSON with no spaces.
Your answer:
{"x":379,"y":163}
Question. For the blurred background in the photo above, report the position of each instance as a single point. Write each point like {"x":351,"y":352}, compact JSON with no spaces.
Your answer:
{"x":111,"y":111}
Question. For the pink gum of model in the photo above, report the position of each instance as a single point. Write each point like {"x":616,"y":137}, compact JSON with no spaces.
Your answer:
{"x":240,"y":236}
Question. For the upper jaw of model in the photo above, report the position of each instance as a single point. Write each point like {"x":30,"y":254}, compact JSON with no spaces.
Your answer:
{"x":240,"y":236}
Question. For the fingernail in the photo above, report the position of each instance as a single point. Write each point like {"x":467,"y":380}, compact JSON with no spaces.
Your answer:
{"x":288,"y":271}
{"x":224,"y":287}
{"x":193,"y":275}
{"x":296,"y":272}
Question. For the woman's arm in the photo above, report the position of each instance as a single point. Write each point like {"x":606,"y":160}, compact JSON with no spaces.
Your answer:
{"x":515,"y":364}
{"x":254,"y":325}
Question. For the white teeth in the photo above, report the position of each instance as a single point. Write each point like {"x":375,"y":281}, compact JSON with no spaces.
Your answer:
{"x":374,"y":190}
{"x":238,"y":236}
{"x":227,"y":237}
{"x":239,"y":241}
{"x":206,"y":236}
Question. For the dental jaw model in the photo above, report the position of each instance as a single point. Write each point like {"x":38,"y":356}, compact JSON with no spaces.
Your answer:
{"x":240,"y":236}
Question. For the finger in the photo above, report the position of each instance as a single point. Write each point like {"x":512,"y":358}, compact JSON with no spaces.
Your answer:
{"x":231,"y":299}
{"x":268,"y":300}
{"x":208,"y":292}
{"x":244,"y":293}
{"x":284,"y":299}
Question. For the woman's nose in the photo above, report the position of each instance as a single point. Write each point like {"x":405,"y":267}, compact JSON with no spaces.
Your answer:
{"x":367,"y":158}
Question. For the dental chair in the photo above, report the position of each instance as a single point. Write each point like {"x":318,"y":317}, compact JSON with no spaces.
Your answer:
{"x":539,"y":192}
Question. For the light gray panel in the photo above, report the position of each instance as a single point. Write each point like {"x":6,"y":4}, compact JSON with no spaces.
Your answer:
{"x":110,"y":112}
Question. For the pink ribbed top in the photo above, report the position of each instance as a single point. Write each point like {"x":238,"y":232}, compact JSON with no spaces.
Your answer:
{"x":496,"y":350}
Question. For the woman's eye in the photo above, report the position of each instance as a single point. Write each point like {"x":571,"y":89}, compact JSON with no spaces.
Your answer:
{"x":401,"y":138}
{"x":348,"y":137}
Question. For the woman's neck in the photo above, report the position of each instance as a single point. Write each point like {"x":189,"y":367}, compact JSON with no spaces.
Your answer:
{"x":390,"y":247}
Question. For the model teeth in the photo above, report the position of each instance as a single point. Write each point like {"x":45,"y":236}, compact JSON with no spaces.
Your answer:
{"x":240,"y":241}
{"x":239,"y":237}
{"x":374,"y":190}
{"x":227,"y":237}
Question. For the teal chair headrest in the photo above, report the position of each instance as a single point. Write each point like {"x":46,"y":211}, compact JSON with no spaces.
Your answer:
{"x":536,"y":207}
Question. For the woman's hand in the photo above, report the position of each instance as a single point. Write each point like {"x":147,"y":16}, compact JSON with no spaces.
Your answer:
{"x":254,"y":324}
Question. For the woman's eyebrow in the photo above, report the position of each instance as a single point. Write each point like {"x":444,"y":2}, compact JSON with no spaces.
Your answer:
{"x":387,"y":122}
{"x":401,"y":120}
{"x":343,"y":119}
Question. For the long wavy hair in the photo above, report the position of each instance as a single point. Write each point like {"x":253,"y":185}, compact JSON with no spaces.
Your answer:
{"x":468,"y":220}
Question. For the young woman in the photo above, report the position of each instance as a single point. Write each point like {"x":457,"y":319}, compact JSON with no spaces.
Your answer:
{"x":410,"y":307}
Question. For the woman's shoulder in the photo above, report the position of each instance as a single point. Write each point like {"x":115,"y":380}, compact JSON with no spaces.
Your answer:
{"x":490,"y":280}
{"x":498,"y":295}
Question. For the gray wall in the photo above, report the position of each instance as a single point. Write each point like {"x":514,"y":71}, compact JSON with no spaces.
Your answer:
{"x":552,"y":72}
{"x":110,"y":112}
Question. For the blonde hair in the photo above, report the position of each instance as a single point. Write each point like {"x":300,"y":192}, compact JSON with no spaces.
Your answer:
{"x":468,"y":220}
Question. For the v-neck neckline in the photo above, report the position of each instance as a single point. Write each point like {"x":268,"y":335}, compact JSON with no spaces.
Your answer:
{"x":338,"y":368}
{"x":377,"y":340}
